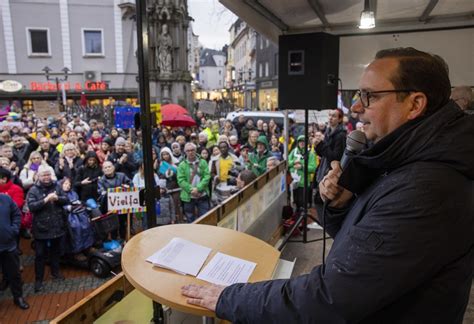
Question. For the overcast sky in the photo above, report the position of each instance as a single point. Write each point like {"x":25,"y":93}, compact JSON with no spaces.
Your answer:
{"x":211,"y":22}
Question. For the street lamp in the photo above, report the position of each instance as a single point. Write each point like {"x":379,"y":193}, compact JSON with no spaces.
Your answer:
{"x":57,"y":79}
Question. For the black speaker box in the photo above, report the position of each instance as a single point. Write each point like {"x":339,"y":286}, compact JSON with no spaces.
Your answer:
{"x":308,"y":71}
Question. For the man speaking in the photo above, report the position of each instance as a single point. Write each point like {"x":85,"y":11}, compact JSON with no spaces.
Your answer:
{"x":403,"y":232}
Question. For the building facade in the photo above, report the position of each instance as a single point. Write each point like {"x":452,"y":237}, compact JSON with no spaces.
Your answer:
{"x":266,"y":74}
{"x":212,"y":70}
{"x":242,"y":49}
{"x":96,"y":41}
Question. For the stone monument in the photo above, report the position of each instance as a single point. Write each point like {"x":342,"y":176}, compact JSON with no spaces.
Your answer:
{"x":170,"y":79}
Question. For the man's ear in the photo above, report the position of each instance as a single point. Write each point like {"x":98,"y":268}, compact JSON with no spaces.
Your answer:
{"x":419,"y":104}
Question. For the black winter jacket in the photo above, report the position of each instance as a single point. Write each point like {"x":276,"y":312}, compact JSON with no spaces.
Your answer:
{"x":331,"y":149}
{"x":129,"y":168}
{"x":90,"y":190}
{"x":10,"y":217}
{"x":48,"y":218}
{"x":67,"y":171}
{"x":402,"y":251}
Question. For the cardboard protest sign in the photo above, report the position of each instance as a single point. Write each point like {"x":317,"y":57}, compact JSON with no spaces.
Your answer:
{"x":45,"y":109}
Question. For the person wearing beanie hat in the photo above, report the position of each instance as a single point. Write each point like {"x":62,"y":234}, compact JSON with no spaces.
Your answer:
{"x":296,"y":167}
{"x":124,"y":162}
{"x":258,"y":160}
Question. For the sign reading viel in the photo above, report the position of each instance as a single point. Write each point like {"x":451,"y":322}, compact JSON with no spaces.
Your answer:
{"x":10,"y":86}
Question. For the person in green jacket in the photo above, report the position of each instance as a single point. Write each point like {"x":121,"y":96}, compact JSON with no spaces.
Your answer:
{"x":296,"y":166}
{"x":258,"y":160}
{"x":193,"y":179}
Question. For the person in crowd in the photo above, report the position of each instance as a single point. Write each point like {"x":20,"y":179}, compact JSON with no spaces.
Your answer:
{"x":228,"y":129}
{"x":49,"y":152}
{"x":235,"y":145}
{"x":258,"y":160}
{"x":260,"y":127}
{"x":10,"y":217}
{"x":205,"y":155}
{"x":382,"y":267}
{"x":276,"y":148}
{"x":45,"y":201}
{"x":78,"y":122}
{"x":94,"y":141}
{"x":167,"y":213}
{"x":123,"y":161}
{"x":239,"y":123}
{"x":244,"y":178}
{"x":138,"y":181}
{"x":193,"y":179}
{"x":6,"y":151}
{"x":245,"y":131}
{"x":273,"y":128}
{"x":202,"y":141}
{"x":5,"y":138}
{"x":105,"y":148}
{"x":29,"y":174}
{"x":272,"y":162}
{"x":168,"y":136}
{"x":296,"y":167}
{"x":114,"y":134}
{"x":193,"y":138}
{"x":225,"y":162}
{"x":212,"y":131}
{"x":168,"y":171}
{"x":72,"y":137}
{"x":252,"y":140}
{"x":330,"y":147}
{"x":161,"y":141}
{"x":463,"y":97}
{"x":69,"y":162}
{"x":112,"y":179}
{"x":177,"y":153}
{"x":22,"y":148}
{"x":181,"y":140}
{"x":244,"y":157}
{"x":87,"y":177}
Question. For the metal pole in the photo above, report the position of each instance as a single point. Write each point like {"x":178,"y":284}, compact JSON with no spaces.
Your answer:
{"x":58,"y":97}
{"x":305,"y":175}
{"x":145,"y":111}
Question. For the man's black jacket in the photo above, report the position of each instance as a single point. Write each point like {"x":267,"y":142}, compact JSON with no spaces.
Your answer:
{"x":402,"y":251}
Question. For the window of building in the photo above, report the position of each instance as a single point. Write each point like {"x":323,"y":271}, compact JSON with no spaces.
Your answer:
{"x":220,"y":82}
{"x":38,"y":42}
{"x":260,"y":70}
{"x":220,"y":72}
{"x":93,"y":42}
{"x":267,"y":72}
{"x":261,"y":43}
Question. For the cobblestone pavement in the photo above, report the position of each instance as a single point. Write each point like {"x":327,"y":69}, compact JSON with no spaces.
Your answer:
{"x":56,"y":297}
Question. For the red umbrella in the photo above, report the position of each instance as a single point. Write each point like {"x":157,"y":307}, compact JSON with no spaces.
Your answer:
{"x":173,"y":109}
{"x":178,"y":120}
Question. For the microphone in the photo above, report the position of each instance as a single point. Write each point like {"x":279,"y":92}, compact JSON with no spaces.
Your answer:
{"x":355,"y":143}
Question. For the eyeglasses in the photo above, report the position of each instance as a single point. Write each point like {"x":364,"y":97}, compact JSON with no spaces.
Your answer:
{"x":365,"y":96}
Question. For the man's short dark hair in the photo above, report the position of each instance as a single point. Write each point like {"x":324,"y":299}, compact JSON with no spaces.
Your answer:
{"x":422,"y":72}
{"x":4,"y":173}
{"x":247,"y":176}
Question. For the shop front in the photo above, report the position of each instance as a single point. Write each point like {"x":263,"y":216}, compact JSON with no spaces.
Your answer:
{"x":268,"y":95}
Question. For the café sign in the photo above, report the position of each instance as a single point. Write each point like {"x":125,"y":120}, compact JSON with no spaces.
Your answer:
{"x":50,"y":86}
{"x":10,"y":86}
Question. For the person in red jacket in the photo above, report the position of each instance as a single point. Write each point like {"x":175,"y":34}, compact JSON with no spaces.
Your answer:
{"x":9,"y":188}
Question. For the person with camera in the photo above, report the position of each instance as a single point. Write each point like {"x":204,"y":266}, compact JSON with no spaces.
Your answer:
{"x":46,"y":200}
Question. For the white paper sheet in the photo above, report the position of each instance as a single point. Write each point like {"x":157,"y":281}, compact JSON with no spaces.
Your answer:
{"x":226,"y":270}
{"x":182,"y":256}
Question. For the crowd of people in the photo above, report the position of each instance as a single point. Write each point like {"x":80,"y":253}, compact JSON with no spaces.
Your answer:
{"x":45,"y":164}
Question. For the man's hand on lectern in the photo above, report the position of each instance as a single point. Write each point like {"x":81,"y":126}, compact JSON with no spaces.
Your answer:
{"x":204,"y":296}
